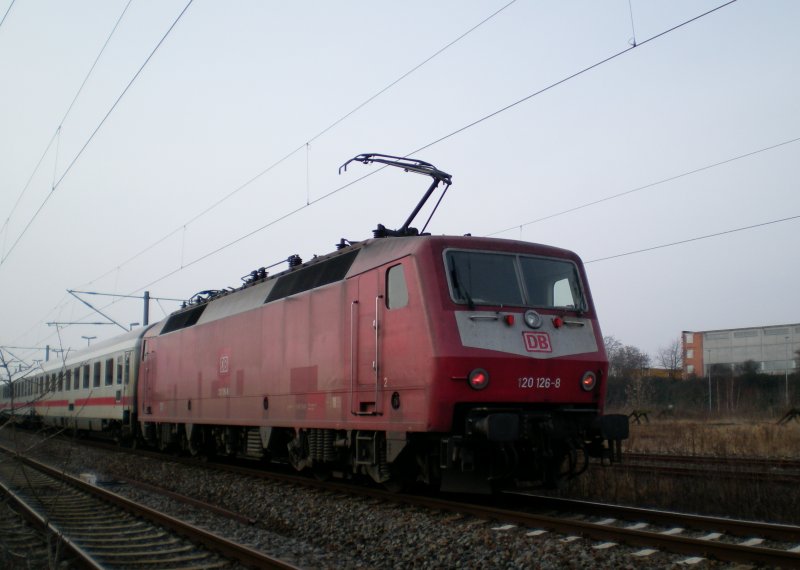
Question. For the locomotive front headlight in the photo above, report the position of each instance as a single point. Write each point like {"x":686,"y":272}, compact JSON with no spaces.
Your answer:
{"x":533,"y":319}
{"x":478,"y":379}
{"x":589,"y":381}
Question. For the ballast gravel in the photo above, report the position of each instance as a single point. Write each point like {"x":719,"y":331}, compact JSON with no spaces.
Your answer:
{"x":317,"y":529}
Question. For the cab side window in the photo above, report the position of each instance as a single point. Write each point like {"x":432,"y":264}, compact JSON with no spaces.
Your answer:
{"x":396,"y":288}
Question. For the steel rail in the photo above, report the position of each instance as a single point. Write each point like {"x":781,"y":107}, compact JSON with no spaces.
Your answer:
{"x":785,"y":471}
{"x":245,"y":555}
{"x":709,"y":472}
{"x":735,"y":527}
{"x":672,"y":543}
{"x":80,"y":556}
{"x":762,"y":462}
{"x":654,"y":539}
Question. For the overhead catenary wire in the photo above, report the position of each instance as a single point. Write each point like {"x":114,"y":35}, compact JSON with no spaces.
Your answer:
{"x":339,"y":189}
{"x":453,"y":133}
{"x":64,"y":118}
{"x":646,"y":186}
{"x":306,"y":144}
{"x":570,"y":77}
{"x":6,"y":14}
{"x":75,"y":159}
{"x":697,"y":238}
{"x":633,"y":27}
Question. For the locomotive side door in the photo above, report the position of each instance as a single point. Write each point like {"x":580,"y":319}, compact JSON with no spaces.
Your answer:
{"x":365,"y":357}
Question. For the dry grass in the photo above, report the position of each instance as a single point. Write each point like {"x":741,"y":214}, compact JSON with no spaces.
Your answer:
{"x":763,"y":499}
{"x":721,"y":439}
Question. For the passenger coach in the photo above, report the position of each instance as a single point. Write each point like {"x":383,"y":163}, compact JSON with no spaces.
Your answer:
{"x":93,"y":390}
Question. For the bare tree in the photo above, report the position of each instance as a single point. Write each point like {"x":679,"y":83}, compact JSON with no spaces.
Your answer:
{"x":6,"y":382}
{"x":613,"y":346}
{"x":670,"y":358}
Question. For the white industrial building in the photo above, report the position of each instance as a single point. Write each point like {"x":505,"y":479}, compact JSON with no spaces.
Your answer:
{"x":773,"y":349}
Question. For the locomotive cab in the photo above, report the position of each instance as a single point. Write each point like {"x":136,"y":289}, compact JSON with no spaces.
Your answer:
{"x":527,"y":368}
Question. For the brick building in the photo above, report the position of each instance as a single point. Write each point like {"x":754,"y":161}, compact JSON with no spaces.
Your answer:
{"x":773,"y":349}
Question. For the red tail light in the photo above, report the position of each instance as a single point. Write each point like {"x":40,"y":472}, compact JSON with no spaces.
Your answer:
{"x":478,"y":379}
{"x":589,"y":381}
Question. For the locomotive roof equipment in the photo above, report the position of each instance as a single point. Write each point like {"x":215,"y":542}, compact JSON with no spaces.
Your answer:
{"x":408,"y":165}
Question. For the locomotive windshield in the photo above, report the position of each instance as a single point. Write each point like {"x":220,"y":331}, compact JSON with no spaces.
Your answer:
{"x":482,"y":278}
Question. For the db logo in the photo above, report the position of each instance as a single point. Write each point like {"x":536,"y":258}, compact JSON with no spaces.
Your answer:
{"x":223,"y":365}
{"x":537,"y":341}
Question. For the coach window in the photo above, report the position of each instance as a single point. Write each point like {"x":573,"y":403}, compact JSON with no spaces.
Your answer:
{"x":60,"y":382}
{"x":76,"y":375}
{"x":96,"y":375}
{"x":68,"y":384}
{"x":127,"y":367}
{"x":109,"y":372}
{"x":119,"y":370}
{"x":86,"y":373}
{"x":396,"y":289}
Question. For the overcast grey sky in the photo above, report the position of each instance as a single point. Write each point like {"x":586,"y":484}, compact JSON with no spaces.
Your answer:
{"x":236,"y":87}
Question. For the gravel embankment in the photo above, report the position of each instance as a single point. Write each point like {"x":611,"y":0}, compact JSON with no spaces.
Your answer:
{"x":314,"y":529}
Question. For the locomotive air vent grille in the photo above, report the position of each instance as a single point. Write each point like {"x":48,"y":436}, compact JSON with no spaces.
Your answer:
{"x":317,"y":275}
{"x":183,"y":319}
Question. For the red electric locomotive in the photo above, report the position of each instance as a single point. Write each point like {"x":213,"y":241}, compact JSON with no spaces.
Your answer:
{"x":468,"y":363}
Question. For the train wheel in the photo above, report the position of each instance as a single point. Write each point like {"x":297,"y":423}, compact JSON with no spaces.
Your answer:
{"x":402,"y":473}
{"x":298,"y":452}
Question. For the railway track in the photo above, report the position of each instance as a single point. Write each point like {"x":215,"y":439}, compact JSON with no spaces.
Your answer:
{"x":654,"y":531}
{"x":22,"y":545}
{"x":749,"y":542}
{"x":100,"y":529}
{"x":742,"y":468}
{"x":749,"y":462}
